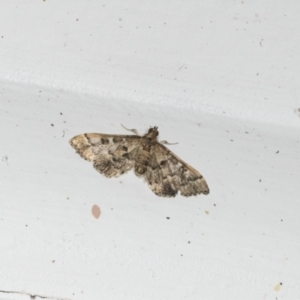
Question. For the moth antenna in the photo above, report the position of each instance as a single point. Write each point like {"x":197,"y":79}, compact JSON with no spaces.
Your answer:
{"x":167,"y":143}
{"x":132,"y":130}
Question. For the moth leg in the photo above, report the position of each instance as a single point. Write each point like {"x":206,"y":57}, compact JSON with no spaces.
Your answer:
{"x":132,"y":130}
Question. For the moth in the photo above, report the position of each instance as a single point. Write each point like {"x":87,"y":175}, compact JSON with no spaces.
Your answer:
{"x":113,"y":155}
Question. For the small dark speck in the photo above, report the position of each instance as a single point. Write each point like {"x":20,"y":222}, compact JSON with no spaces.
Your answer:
{"x":168,"y":218}
{"x":277,"y":152}
{"x":231,"y":140}
{"x":246,"y":132}
{"x":189,"y":242}
{"x":281,"y":220}
{"x":77,"y":20}
{"x":259,"y":180}
{"x":52,"y":124}
{"x":5,"y":159}
{"x":181,"y":254}
{"x":215,"y":204}
{"x":111,"y":209}
{"x":61,"y":113}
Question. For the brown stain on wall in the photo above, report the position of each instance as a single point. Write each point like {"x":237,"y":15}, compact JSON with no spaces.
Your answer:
{"x":96,"y":211}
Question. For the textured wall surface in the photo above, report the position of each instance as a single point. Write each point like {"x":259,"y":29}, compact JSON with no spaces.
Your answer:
{"x":221,"y":79}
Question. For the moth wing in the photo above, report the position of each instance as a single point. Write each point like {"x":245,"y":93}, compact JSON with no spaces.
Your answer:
{"x":112,"y":155}
{"x":167,"y":174}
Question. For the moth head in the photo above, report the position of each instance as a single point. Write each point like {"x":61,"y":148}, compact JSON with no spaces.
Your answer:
{"x":150,"y":138}
{"x":153,"y":131}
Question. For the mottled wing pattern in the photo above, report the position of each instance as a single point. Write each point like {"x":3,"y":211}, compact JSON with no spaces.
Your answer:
{"x":112,"y":155}
{"x":167,"y":174}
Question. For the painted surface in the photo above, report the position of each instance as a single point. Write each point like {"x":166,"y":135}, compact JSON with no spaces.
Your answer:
{"x":222,"y":80}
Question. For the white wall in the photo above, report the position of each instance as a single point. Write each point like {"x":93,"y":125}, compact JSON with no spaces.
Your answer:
{"x":237,"y":57}
{"x":222,"y":79}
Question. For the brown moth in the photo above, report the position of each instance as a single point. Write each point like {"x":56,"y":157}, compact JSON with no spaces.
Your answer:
{"x":113,"y":155}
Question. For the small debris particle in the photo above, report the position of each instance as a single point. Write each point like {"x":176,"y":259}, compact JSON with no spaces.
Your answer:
{"x":277,"y":286}
{"x":189,"y":242}
{"x":96,"y":212}
{"x":207,"y":212}
{"x":259,"y":180}
{"x":5,"y":159}
{"x":277,"y":152}
{"x":168,"y":218}
{"x":52,"y":124}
